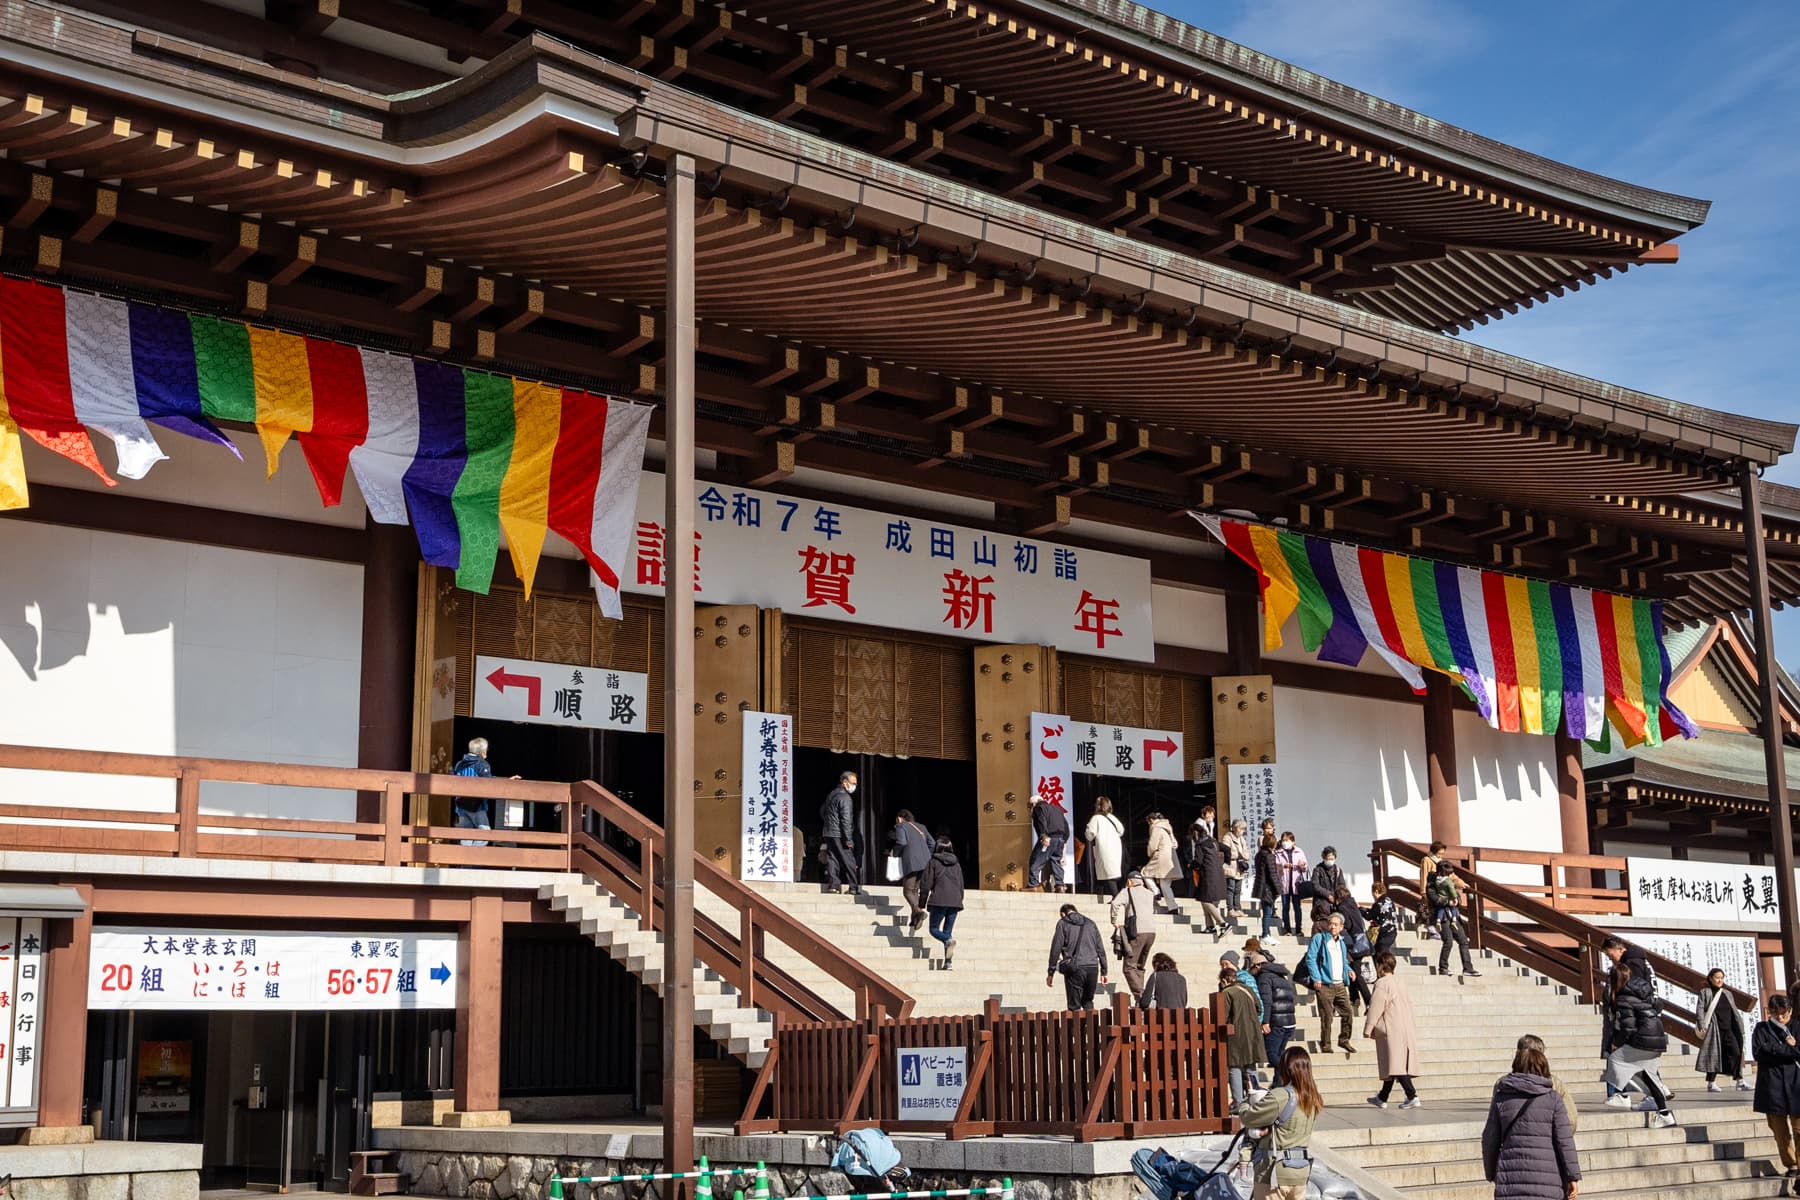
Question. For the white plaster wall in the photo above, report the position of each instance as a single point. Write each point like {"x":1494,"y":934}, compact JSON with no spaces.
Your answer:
{"x":1507,"y":785}
{"x":1351,"y":771}
{"x":115,"y":642}
{"x":1185,"y":617}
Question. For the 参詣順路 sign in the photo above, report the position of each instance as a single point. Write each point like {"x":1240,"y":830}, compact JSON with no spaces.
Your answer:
{"x":931,"y":1082}
{"x":820,"y":559}
{"x":247,"y":970}
{"x":547,"y":693}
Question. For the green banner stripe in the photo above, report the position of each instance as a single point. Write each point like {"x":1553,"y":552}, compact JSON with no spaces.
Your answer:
{"x":1549,"y":652}
{"x":223,"y":364}
{"x":488,"y":420}
{"x":1315,"y":608}
{"x":1650,"y":667}
{"x":1431,"y":613}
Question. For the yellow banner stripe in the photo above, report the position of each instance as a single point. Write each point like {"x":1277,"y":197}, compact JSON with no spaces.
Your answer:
{"x":525,"y":491}
{"x":284,"y":399}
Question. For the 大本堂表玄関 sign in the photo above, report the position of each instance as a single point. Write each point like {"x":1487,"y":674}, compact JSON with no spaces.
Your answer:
{"x":546,"y":693}
{"x":768,"y":847}
{"x":850,"y":564}
{"x":931,"y":1082}
{"x":247,"y":970}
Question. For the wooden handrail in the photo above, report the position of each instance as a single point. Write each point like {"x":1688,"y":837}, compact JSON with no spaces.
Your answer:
{"x":738,"y":953}
{"x":1577,"y":967}
{"x":760,"y":918}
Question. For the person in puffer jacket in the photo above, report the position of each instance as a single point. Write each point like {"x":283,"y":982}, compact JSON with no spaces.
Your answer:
{"x":1528,"y":1146}
{"x":1276,"y":987}
{"x":1635,"y":1041}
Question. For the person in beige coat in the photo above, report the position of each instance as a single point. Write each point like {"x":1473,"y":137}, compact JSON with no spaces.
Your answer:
{"x":1160,"y":866}
{"x":1390,"y":1023}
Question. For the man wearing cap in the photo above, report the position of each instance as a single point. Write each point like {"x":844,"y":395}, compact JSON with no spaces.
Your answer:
{"x":1050,"y":826}
{"x":1134,"y":923}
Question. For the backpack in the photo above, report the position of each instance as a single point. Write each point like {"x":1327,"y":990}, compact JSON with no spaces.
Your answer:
{"x":867,"y":1152}
{"x":1302,"y":974}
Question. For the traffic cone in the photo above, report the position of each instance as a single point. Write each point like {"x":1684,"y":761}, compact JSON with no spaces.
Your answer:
{"x":762,"y":1182}
{"x":556,"y":1192}
{"x":704,"y":1191}
{"x":1006,"y":1188}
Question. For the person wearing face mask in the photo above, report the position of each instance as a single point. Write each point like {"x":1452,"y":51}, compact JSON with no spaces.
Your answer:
{"x":1290,"y":864}
{"x":838,"y":836}
{"x":1328,"y":877}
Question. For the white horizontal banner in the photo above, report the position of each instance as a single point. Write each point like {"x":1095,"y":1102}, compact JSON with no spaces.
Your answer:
{"x":245,"y":970}
{"x":850,"y":564}
{"x":1722,"y":893}
{"x":547,"y":693}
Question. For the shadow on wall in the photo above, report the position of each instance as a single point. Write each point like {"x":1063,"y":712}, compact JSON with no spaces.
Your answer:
{"x":48,"y":614}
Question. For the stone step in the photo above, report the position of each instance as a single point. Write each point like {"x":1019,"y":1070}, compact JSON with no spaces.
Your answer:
{"x":1454,"y":1139}
{"x":1719,"y":1180}
{"x":1469,"y":1170}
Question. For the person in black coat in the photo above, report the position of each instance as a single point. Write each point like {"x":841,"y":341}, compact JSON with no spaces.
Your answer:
{"x":1778,"y":1083}
{"x":1207,"y":867}
{"x":1050,"y":827}
{"x":1356,"y":932}
{"x":1166,"y":987}
{"x":941,"y":892}
{"x":1265,"y":887}
{"x":1327,"y":876}
{"x":1636,"y":1040}
{"x":838,"y":837}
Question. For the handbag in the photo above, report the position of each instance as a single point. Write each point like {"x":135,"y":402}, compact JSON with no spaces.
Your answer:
{"x":1359,"y":945}
{"x":893,"y":867}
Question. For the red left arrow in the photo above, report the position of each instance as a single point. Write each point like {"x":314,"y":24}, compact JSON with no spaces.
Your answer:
{"x":534,"y":688}
{"x":1166,"y":745}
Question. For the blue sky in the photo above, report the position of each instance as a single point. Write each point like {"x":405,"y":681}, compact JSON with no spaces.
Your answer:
{"x":1701,"y":100}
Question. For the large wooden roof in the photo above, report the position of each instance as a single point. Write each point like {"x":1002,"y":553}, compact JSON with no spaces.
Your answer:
{"x":1104,"y":111}
{"x":858,"y":315}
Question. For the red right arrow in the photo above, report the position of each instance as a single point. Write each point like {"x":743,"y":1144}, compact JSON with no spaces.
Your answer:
{"x":534,"y":688}
{"x":1166,"y":745}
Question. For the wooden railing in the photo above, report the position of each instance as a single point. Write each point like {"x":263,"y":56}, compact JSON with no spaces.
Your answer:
{"x":1116,"y":1073}
{"x":1551,"y":942}
{"x":583,"y":811}
{"x":739,"y":955}
{"x":1589,"y":897}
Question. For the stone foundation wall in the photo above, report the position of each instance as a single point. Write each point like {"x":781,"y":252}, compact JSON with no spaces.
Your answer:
{"x":103,"y":1171}
{"x":526,"y":1177}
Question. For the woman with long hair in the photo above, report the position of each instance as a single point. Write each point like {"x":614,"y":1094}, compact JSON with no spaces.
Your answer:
{"x":1722,"y":1035}
{"x":1105,"y":835}
{"x":1528,"y":1145}
{"x":1390,"y":1023}
{"x":1267,"y":889}
{"x":1281,"y":1125}
{"x":1161,"y":869}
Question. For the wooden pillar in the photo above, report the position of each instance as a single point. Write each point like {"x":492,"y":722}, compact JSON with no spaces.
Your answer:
{"x":727,"y":658}
{"x":479,"y":946}
{"x":1571,"y":791}
{"x":1768,"y":690}
{"x":1440,"y":760}
{"x":1011,"y":683}
{"x":1243,"y":632}
{"x":62,"y":1054}
{"x":678,"y":675}
{"x":390,"y":605}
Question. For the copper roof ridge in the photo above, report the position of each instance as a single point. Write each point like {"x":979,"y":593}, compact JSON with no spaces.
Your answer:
{"x":1245,"y":67}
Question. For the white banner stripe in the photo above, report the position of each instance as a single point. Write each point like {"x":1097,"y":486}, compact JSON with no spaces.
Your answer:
{"x":1349,"y":569}
{"x":380,"y":463}
{"x":102,"y":381}
{"x":615,"y":495}
{"x":1474,"y":609}
{"x":1593,"y":671}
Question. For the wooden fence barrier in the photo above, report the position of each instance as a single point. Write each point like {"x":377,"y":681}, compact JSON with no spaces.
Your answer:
{"x":1114,"y":1073}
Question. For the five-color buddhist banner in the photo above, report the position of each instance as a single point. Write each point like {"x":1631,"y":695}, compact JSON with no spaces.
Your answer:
{"x":463,"y":455}
{"x":1533,"y":655}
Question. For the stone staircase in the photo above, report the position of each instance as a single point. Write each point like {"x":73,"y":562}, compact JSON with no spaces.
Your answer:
{"x":610,"y":925}
{"x":1003,"y":940}
{"x":1720,"y":1151}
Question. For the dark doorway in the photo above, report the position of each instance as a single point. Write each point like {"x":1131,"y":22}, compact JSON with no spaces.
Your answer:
{"x":629,"y":765}
{"x":1133,"y":802}
{"x":940,"y":794}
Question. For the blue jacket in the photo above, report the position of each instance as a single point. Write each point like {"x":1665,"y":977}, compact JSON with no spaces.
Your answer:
{"x":1249,"y":982}
{"x":1319,"y":964}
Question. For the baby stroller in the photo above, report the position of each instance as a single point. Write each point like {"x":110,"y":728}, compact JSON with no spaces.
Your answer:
{"x":1172,"y":1178}
{"x":869,"y":1159}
